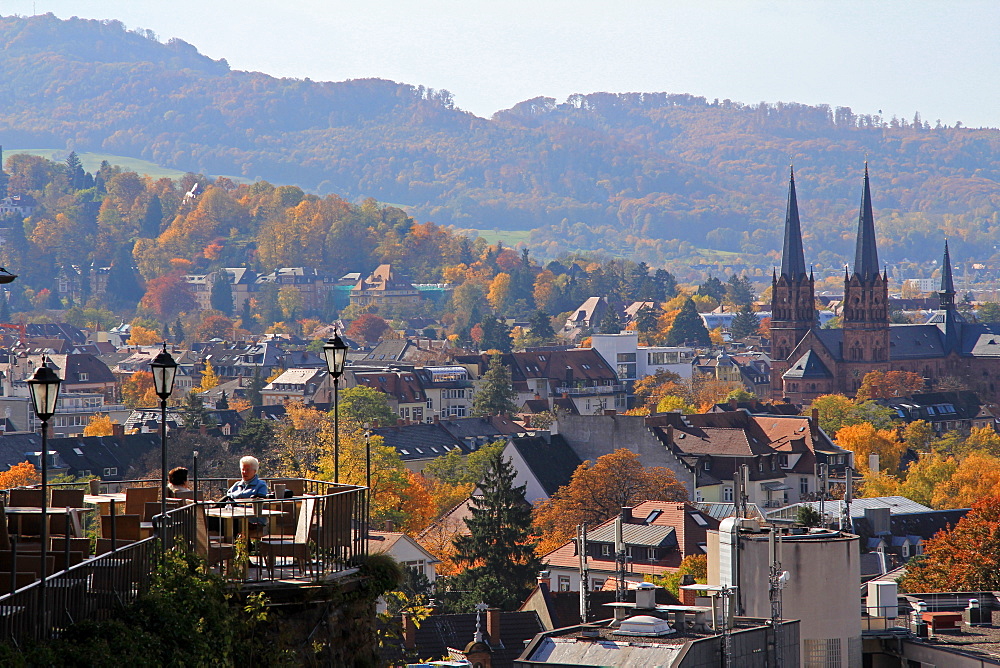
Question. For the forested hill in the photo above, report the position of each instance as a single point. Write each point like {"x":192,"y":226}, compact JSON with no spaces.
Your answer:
{"x":654,"y":175}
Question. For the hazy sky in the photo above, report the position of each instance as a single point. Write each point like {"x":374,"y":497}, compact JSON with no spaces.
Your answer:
{"x":939,"y":58}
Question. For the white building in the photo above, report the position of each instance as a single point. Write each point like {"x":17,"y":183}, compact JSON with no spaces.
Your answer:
{"x":632,"y":361}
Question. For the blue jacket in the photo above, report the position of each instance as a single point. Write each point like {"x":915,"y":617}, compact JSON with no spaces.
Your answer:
{"x":248,"y":489}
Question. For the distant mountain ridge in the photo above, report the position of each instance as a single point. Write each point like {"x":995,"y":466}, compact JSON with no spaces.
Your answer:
{"x":654,"y":175}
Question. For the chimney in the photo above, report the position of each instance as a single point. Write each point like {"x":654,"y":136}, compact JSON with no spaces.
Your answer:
{"x":390,"y":526}
{"x":538,"y":397}
{"x":814,"y":423}
{"x":545,"y":580}
{"x":645,"y":596}
{"x":687,"y":595}
{"x":400,"y":422}
{"x":436,"y":419}
{"x":610,"y":412}
{"x":493,"y":626}
{"x":733,"y":404}
{"x":626,"y":514}
{"x":203,"y":429}
{"x":117,"y":429}
{"x":409,"y":632}
{"x":374,"y":424}
{"x":670,"y":433}
{"x":565,"y":395}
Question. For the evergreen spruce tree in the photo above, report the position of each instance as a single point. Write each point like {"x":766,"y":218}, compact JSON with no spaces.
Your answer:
{"x":611,"y":323}
{"x":221,"y":297}
{"x":152,"y":219}
{"x":688,"y":327}
{"x":739,"y":289}
{"x":713,"y":288}
{"x":646,"y":320}
{"x":178,"y":331}
{"x":746,"y":323}
{"x":257,"y":383}
{"x":195,"y":414}
{"x":496,"y":336}
{"x":541,"y":326}
{"x":74,"y":170}
{"x":498,"y":554}
{"x":4,"y":307}
{"x":124,"y":290}
{"x":496,"y":394}
{"x":223,"y":402}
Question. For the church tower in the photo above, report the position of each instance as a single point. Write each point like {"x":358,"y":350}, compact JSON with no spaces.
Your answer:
{"x":793,"y":301}
{"x":866,"y":300}
{"x":948,"y":319}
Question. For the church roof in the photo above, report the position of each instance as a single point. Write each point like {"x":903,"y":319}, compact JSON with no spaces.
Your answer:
{"x":808,"y":366}
{"x":866,"y":252}
{"x":793,"y":263}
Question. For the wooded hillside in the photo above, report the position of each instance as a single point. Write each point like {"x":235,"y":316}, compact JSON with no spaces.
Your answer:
{"x":652,"y":175}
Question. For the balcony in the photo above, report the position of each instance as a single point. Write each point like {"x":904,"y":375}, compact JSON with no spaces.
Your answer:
{"x":322,"y":524}
{"x":590,"y":391}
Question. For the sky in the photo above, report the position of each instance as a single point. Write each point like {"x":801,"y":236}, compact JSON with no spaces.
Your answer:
{"x":898,"y":57}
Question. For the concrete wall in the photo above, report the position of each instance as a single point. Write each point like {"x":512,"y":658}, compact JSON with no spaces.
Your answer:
{"x":592,"y":436}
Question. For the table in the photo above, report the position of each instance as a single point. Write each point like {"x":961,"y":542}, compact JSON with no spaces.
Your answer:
{"x":104,"y":501}
{"x":229,"y":514}
{"x":74,"y":515}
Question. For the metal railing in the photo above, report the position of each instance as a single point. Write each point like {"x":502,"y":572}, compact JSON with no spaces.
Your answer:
{"x":587,"y":390}
{"x":329,"y":539}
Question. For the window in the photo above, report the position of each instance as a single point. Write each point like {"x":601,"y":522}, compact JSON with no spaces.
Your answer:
{"x":83,"y":376}
{"x":626,"y":371}
{"x":605,"y":549}
{"x":628,"y":551}
{"x":626,"y":357}
{"x":803,"y":486}
{"x":654,"y":554}
{"x":111,"y":471}
{"x":563,"y":583}
{"x":707,"y":465}
{"x":597,"y":585}
{"x":783,"y":460}
{"x":727,"y":494}
{"x":663,"y":358}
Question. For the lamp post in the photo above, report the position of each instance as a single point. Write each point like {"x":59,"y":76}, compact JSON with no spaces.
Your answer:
{"x":368,"y":477}
{"x":335,"y":352}
{"x":44,"y":388}
{"x":164,"y":371}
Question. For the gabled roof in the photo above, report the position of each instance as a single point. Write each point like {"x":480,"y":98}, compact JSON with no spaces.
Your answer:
{"x":808,"y":366}
{"x":403,"y":386}
{"x":551,"y":460}
{"x":636,"y":534}
{"x":420,"y":441}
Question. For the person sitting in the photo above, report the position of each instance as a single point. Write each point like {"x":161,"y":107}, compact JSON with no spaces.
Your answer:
{"x":250,"y":487}
{"x":177,"y":482}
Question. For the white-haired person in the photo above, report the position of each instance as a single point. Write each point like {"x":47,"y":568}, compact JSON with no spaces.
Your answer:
{"x":250,"y":487}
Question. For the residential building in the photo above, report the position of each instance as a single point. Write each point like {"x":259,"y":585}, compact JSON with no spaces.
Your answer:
{"x":633,"y":362}
{"x":383,"y":288}
{"x":657,"y":536}
{"x":242,"y":285}
{"x":75,"y":410}
{"x":580,"y":375}
{"x":448,"y":390}
{"x":294,"y":385}
{"x":417,"y":444}
{"x":542,"y":463}
{"x":80,"y":373}
{"x":945,"y":411}
{"x":588,"y":316}
{"x":22,"y":205}
{"x":403,"y":389}
{"x":705,"y":451}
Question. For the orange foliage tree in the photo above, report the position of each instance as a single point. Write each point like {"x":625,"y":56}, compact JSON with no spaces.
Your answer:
{"x":597,"y":491}
{"x":651,"y":389}
{"x":367,"y":326}
{"x":168,"y":296}
{"x":864,"y":440}
{"x":100,"y":425}
{"x":965,"y":558}
{"x":19,"y":475}
{"x":885,"y":384}
{"x":138,"y":390}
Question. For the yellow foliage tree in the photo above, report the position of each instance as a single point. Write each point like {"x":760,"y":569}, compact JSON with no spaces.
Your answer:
{"x":100,"y":424}
{"x":19,"y":475}
{"x":143,"y":336}
{"x":499,"y":294}
{"x":924,"y":476}
{"x":864,"y":440}
{"x":670,"y":403}
{"x":208,"y":377}
{"x":976,"y":476}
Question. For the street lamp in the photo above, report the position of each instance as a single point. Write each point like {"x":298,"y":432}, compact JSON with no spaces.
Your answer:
{"x":44,"y":388}
{"x":164,"y":371}
{"x":368,"y":477}
{"x":335,"y":352}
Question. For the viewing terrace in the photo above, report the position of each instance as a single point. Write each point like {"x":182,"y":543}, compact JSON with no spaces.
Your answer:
{"x":105,"y":539}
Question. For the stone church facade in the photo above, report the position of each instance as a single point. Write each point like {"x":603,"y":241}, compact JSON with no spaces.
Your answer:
{"x":947,"y":350}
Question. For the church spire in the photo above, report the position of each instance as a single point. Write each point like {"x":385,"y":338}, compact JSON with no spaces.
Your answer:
{"x":866,"y":253}
{"x":793,"y":263}
{"x":947,"y":282}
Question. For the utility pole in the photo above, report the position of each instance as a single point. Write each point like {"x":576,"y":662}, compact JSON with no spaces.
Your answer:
{"x":776,"y":580}
{"x":581,"y":534}
{"x":619,"y":560}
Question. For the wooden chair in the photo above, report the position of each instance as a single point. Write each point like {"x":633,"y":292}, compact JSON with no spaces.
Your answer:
{"x":215,"y":552}
{"x":27,"y":563}
{"x":136,"y":498}
{"x":67,"y":498}
{"x":62,"y":562}
{"x":31,"y":498}
{"x":81,"y":545}
{"x":126,"y":527}
{"x":104,"y":545}
{"x":297,"y":548}
{"x":21,"y":579}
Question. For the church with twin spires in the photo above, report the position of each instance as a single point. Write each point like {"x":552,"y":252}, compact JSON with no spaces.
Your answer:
{"x":809,"y":361}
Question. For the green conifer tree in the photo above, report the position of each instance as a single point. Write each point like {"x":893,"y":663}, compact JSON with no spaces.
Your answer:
{"x":221,"y":297}
{"x":496,"y":394}
{"x":498,"y":554}
{"x":496,"y":335}
{"x":611,"y":323}
{"x":152,"y":219}
{"x":688,"y":327}
{"x":124,"y":290}
{"x":541,"y":326}
{"x":178,"y":331}
{"x":746,"y":323}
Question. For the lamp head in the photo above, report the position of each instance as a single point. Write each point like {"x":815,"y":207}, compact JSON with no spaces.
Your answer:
{"x":44,"y":388}
{"x":164,"y":369}
{"x":335,"y":352}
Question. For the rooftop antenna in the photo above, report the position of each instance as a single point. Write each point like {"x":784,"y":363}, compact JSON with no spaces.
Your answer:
{"x":776,"y":582}
{"x":584,"y":571}
{"x":619,"y":560}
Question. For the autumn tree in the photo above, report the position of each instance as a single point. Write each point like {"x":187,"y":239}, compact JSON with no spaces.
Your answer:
{"x":368,"y":327}
{"x":977,"y":475}
{"x":964,"y":558}
{"x":886,"y":384}
{"x":495,"y":394}
{"x":650,"y":390}
{"x":19,"y":475}
{"x":214,"y":326}
{"x":498,"y":555}
{"x":138,"y":390}
{"x":100,"y":424}
{"x":361,"y":405}
{"x":209,"y":379}
{"x":143,"y":336}
{"x":837,"y":411}
{"x":168,"y":296}
{"x":864,"y":440}
{"x":597,"y":492}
